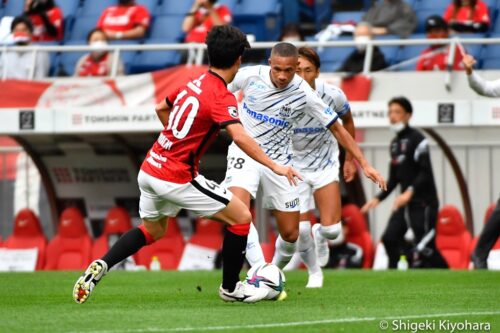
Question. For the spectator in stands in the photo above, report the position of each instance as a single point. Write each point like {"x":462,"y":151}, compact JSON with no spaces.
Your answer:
{"x":436,"y":56}
{"x":411,"y":169}
{"x":491,"y":230}
{"x":391,"y":17}
{"x":204,"y":14}
{"x":468,"y":16}
{"x":291,"y":33}
{"x":127,"y":20}
{"x":98,"y":62}
{"x":18,"y":64}
{"x":344,"y":254}
{"x":354,"y":63}
{"x":47,"y":20}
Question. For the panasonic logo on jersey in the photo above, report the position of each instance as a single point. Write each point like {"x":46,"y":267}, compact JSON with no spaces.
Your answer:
{"x":265,"y":118}
{"x":309,"y":130}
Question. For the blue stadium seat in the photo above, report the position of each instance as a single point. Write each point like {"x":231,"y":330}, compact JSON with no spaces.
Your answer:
{"x":438,"y":6}
{"x":347,"y":16}
{"x":229,"y":3}
{"x":333,"y":57}
{"x":167,"y":27}
{"x":127,"y":57}
{"x":147,"y":61}
{"x":95,"y":7}
{"x":491,"y":57}
{"x":14,"y":8}
{"x":149,"y":4}
{"x":320,"y":12}
{"x":68,"y":7}
{"x":390,"y":52}
{"x":261,"y":18}
{"x":81,"y":28}
{"x":495,"y":29}
{"x":53,"y":56}
{"x":67,"y":60}
{"x":174,"y":7}
{"x":411,"y":52}
{"x":473,"y":49}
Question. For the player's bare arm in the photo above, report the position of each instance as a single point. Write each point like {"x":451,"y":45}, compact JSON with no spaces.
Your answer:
{"x":252,"y":149}
{"x":349,"y":166}
{"x":163,"y":111}
{"x":346,"y":140}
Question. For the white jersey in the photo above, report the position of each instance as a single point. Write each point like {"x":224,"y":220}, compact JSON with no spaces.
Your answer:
{"x":314,"y":147}
{"x":269,"y":114}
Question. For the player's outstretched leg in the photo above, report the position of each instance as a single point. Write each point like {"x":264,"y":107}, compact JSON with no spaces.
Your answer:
{"x":237,"y":215}
{"x":131,"y":242}
{"x":306,"y":249}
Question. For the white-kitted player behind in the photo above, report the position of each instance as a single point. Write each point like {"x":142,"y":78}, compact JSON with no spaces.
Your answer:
{"x":316,"y":157}
{"x":275,"y":99}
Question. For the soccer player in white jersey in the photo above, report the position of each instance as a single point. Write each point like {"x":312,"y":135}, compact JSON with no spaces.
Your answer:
{"x":316,"y":157}
{"x":275,"y":100}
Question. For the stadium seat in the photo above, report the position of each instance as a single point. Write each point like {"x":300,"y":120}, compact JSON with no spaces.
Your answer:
{"x":490,"y":59}
{"x":117,"y":222}
{"x":68,"y":7}
{"x":320,"y":12}
{"x":229,"y":3}
{"x":127,"y":57}
{"x":208,"y":233}
{"x":167,"y":27}
{"x":13,"y":8}
{"x":439,"y":6}
{"x":71,"y":248}
{"x":149,"y":4}
{"x":358,"y":233}
{"x":453,"y":239}
{"x":28,"y":234}
{"x":95,"y":8}
{"x":343,"y":17}
{"x":80,"y":29}
{"x":174,"y":7}
{"x":261,"y":18}
{"x":147,"y":61}
{"x":333,"y":57}
{"x":411,"y":52}
{"x":67,"y":60}
{"x":168,"y":249}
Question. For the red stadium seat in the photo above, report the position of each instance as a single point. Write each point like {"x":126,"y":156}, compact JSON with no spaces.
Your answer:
{"x":28,"y":234}
{"x":71,"y":248}
{"x":168,"y":249}
{"x":208,"y":233}
{"x":453,"y":239}
{"x":358,"y":233}
{"x":487,"y":215}
{"x":117,"y":222}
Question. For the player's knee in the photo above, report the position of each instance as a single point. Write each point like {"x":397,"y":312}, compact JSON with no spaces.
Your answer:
{"x":290,"y":236}
{"x":332,"y":231}
{"x":244,"y":217}
{"x":156,"y":231}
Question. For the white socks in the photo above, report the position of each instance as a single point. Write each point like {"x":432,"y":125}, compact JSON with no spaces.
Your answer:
{"x":330,"y":232}
{"x":284,"y":252}
{"x":254,"y":253}
{"x":306,"y":247}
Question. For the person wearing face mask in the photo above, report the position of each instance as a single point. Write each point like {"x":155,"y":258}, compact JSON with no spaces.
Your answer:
{"x":47,"y":20}
{"x":204,"y":14}
{"x":126,"y":20}
{"x":98,"y":62}
{"x":411,"y":169}
{"x":468,"y":16}
{"x":436,"y":56}
{"x":18,"y":64}
{"x":354,"y":63}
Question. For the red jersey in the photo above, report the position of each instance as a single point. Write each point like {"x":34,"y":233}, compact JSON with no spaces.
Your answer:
{"x":480,"y":15}
{"x":439,"y":60}
{"x":124,"y":18}
{"x":203,"y":23}
{"x":199,"y":110}
{"x":55,"y":16}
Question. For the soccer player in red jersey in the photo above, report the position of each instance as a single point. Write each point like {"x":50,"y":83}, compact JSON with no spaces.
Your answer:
{"x":169,"y":181}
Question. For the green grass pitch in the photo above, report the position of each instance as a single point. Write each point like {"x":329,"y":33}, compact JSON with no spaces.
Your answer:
{"x":350,"y":301}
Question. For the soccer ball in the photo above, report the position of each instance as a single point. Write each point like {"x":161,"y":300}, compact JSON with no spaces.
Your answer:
{"x":267,"y":276}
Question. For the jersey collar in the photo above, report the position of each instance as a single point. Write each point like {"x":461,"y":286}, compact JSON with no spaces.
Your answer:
{"x":218,"y":76}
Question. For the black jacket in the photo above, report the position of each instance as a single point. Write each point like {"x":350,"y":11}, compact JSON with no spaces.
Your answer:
{"x":411,"y":166}
{"x":355,"y":61}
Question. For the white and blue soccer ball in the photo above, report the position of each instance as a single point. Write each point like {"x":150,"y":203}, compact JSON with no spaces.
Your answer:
{"x":267,"y":276}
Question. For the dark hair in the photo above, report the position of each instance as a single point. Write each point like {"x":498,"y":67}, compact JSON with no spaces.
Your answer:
{"x":91,"y":32}
{"x":21,"y":19}
{"x":310,"y":55}
{"x":291,"y":29}
{"x":225,"y":44}
{"x":283,"y":49}
{"x":403,"y":102}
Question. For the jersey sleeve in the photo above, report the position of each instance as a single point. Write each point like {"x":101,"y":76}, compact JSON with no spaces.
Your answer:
{"x":225,"y":110}
{"x":141,"y":16}
{"x":339,"y":103}
{"x":317,"y":108}
{"x":448,"y":14}
{"x":239,"y":80}
{"x":170,"y":99}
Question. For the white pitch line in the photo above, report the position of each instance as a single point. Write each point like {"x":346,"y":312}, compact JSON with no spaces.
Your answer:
{"x":291,"y":324}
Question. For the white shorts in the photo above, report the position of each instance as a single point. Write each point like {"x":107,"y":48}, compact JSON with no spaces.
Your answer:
{"x":244,"y":172}
{"x":312,"y":182}
{"x":160,"y":198}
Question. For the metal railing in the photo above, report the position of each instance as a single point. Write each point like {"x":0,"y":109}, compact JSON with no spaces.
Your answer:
{"x":195,"y":51}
